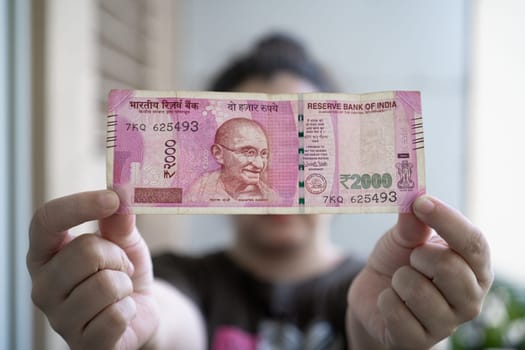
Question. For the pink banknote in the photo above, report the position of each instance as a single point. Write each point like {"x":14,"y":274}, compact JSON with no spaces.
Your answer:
{"x":209,"y":152}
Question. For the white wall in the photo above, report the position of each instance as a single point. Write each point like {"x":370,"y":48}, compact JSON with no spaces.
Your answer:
{"x":496,"y":187}
{"x":369,"y":46}
{"x":70,"y":129}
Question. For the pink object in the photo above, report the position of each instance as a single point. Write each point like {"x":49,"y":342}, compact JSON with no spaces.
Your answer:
{"x":226,"y":338}
{"x":233,"y":153}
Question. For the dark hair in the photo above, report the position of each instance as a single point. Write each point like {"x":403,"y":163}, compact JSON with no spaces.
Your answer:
{"x":273,"y":54}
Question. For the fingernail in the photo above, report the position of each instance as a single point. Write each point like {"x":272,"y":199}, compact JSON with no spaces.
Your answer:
{"x":108,"y":200}
{"x":424,"y":205}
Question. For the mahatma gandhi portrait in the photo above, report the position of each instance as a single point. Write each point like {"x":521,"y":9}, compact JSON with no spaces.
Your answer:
{"x":241,"y":148}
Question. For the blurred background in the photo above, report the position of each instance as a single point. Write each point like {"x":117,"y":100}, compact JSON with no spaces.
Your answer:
{"x":59,"y":59}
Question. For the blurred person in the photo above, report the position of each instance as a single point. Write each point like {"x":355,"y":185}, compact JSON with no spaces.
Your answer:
{"x":241,"y":149}
{"x":281,"y":284}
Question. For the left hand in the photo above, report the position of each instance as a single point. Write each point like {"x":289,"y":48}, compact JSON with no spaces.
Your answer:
{"x":416,"y":287}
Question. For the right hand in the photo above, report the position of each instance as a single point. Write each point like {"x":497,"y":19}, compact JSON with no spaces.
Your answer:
{"x":96,"y":289}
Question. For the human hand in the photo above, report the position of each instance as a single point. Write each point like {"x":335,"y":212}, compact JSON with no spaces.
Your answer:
{"x":96,"y":289}
{"x":416,"y":288}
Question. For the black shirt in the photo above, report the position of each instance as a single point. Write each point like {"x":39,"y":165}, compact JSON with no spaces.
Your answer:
{"x":243,"y":312}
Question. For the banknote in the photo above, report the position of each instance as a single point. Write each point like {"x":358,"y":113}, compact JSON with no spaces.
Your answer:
{"x":186,"y":152}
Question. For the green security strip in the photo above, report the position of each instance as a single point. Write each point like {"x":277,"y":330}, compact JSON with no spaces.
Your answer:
{"x":301,"y":200}
{"x":301,"y":166}
{"x":301,"y":134}
{"x":300,"y":117}
{"x":301,"y":184}
{"x":301,"y":150}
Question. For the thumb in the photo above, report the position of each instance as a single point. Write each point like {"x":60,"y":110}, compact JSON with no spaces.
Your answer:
{"x":409,"y":231}
{"x":394,"y":248}
{"x":121,"y":230}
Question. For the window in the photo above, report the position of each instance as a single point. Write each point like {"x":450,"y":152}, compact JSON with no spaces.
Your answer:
{"x":15,"y":173}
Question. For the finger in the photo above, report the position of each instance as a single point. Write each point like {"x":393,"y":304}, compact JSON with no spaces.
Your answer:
{"x":105,"y":330}
{"x":459,"y":233}
{"x":402,"y":328}
{"x":425,"y":302}
{"x":82,"y":258}
{"x":91,"y":297}
{"x":121,"y":230}
{"x":48,"y":229}
{"x":451,"y":274}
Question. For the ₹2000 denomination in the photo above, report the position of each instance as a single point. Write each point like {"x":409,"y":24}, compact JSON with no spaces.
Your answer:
{"x":233,"y":153}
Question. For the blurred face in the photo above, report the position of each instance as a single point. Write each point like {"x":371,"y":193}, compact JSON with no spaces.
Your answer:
{"x":278,"y":233}
{"x":244,"y":155}
{"x":280,"y":83}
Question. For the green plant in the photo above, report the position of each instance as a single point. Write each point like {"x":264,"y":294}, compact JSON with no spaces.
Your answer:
{"x":501,"y":323}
